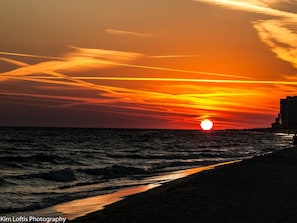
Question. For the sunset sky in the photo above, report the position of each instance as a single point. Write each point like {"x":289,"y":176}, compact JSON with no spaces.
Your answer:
{"x":146,"y":63}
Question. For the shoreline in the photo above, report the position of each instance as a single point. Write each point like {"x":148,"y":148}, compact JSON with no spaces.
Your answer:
{"x":260,"y":189}
{"x":81,"y":207}
{"x":71,"y":210}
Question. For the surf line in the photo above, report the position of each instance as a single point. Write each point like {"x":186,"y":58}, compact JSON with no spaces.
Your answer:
{"x":81,"y":207}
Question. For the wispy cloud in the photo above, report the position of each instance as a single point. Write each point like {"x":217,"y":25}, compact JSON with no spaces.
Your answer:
{"x":196,"y":80}
{"x":279,"y":34}
{"x":29,"y":55}
{"x":15,"y":62}
{"x":183,"y":71}
{"x":80,"y":59}
{"x":83,"y":58}
{"x":280,"y":38}
{"x":182,"y":99}
{"x":173,"y":56}
{"x":250,"y":6}
{"x":125,"y":33}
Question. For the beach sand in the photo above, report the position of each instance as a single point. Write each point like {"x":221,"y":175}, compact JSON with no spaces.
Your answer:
{"x":261,"y":189}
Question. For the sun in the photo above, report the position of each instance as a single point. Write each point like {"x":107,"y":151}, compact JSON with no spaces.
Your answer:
{"x":206,"y":124}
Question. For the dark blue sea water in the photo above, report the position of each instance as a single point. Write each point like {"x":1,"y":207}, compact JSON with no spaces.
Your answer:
{"x":40,"y":167}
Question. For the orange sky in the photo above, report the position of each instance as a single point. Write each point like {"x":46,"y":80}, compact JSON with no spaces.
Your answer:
{"x":146,"y":64}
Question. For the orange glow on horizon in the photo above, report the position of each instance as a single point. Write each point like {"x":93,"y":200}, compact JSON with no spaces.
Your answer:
{"x":230,"y":59}
{"x":172,"y":100}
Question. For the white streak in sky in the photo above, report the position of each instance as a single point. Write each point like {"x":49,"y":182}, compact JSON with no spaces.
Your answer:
{"x":83,"y":58}
{"x":125,"y":33}
{"x":251,"y":7}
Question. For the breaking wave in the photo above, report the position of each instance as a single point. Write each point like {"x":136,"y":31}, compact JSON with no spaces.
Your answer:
{"x":40,"y":167}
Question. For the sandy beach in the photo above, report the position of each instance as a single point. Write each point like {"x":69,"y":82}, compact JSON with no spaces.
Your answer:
{"x":261,"y":189}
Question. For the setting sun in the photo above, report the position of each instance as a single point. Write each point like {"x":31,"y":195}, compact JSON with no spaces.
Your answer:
{"x":206,"y":124}
{"x":158,"y":73}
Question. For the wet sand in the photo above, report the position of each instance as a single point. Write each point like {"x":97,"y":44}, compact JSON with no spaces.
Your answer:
{"x":261,"y":189}
{"x":81,"y":207}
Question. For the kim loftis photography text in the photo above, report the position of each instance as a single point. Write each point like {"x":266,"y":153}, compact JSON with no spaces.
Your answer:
{"x":32,"y":219}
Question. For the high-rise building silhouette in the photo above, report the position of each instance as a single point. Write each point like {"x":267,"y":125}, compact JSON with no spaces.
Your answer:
{"x":288,"y":112}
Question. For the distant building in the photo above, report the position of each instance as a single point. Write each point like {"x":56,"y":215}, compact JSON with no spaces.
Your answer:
{"x":276,"y":124}
{"x":288,"y":112}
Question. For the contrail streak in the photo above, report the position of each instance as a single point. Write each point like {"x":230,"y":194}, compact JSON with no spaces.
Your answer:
{"x":180,"y":70}
{"x":133,"y":66}
{"x":31,"y":55}
{"x":180,"y":80}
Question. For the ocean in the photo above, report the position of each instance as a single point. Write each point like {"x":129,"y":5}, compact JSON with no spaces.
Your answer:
{"x":42,"y":167}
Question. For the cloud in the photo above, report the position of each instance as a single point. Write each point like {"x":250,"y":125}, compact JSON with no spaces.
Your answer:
{"x":179,"y":99}
{"x":15,"y":62}
{"x":193,"y":80}
{"x":183,"y":71}
{"x":111,"y":56}
{"x":173,"y":56}
{"x":83,"y":58}
{"x":79,"y":59}
{"x":251,"y":6}
{"x":279,"y":34}
{"x":125,"y":33}
{"x":29,"y":55}
{"x":280,"y":38}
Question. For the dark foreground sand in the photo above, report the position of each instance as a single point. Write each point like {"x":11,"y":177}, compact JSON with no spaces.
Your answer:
{"x":262,"y":189}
